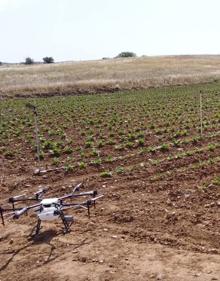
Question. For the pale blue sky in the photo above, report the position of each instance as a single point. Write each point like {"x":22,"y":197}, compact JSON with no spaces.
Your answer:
{"x":92,"y":29}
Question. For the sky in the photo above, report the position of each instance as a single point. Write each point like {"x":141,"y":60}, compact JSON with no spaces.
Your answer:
{"x":92,"y":29}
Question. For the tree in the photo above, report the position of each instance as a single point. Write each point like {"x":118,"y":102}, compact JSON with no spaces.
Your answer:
{"x":126,"y":55}
{"x":29,"y":61}
{"x":48,"y":60}
{"x":1,"y":63}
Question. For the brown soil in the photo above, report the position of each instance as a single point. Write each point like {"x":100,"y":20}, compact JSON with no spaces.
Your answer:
{"x":158,"y":223}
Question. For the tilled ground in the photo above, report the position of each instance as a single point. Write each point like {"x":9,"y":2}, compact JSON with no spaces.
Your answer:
{"x":159,"y":218}
{"x":147,"y":227}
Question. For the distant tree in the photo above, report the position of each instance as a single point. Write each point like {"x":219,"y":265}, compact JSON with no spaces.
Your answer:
{"x":1,"y":63}
{"x":29,"y":60}
{"x":126,"y":55}
{"x":48,"y":60}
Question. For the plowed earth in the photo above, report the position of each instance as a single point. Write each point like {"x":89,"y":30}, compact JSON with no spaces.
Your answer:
{"x":159,"y":218}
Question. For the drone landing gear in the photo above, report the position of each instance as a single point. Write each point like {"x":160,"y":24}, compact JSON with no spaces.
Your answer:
{"x":67,"y":222}
{"x":35,"y":231}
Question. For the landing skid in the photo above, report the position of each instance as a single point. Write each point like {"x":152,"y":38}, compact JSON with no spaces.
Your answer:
{"x":66,"y":220}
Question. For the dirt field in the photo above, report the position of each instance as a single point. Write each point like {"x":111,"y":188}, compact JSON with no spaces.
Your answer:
{"x":106,"y":75}
{"x":159,"y":218}
{"x":165,"y":230}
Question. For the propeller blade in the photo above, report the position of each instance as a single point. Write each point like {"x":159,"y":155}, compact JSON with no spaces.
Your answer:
{"x":77,"y":187}
{"x":87,"y":193}
{"x":40,"y":193}
{"x":17,"y":198}
{"x":19,"y":213}
{"x":96,"y":198}
{"x":78,"y":206}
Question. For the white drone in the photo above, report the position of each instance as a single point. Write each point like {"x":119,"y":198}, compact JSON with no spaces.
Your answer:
{"x":49,"y":209}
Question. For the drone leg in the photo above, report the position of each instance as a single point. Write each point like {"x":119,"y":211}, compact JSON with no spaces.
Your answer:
{"x":38,"y":226}
{"x":66,"y":225}
{"x":88,"y":208}
{"x":2,"y":217}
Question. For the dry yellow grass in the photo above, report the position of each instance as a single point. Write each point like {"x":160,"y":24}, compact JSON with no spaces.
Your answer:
{"x":106,"y":75}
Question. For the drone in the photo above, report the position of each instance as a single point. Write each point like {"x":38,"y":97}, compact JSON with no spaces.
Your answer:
{"x":50,"y":209}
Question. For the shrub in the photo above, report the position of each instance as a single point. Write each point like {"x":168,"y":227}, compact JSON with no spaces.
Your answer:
{"x":126,"y":55}
{"x":120,"y":170}
{"x":106,"y":174}
{"x":29,"y":61}
{"x":82,"y":165}
{"x":48,"y":60}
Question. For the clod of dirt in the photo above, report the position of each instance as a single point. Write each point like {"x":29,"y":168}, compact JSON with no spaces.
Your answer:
{"x":11,"y":241}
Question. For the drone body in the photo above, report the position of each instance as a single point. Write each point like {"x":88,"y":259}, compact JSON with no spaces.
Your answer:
{"x":50,"y":209}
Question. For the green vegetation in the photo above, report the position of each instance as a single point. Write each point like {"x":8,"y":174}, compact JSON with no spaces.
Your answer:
{"x":112,"y":133}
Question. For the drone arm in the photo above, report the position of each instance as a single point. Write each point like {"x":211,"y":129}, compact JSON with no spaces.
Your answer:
{"x":24,"y":210}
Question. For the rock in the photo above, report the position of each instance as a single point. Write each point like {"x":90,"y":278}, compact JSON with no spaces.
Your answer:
{"x":159,"y":276}
{"x":114,"y":236}
{"x":196,"y":274}
{"x":83,"y":259}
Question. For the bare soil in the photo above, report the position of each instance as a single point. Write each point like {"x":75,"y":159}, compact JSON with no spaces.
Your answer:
{"x":143,"y":229}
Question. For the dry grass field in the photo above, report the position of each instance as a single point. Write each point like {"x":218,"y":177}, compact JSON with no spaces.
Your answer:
{"x":106,"y":75}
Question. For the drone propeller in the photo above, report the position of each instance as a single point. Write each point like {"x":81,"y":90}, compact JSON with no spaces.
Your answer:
{"x":77,"y":187}
{"x":14,"y":213}
{"x":73,"y":205}
{"x":18,"y":213}
{"x":40,"y":193}
{"x":89,"y":203}
{"x":92,"y":200}
{"x":84,"y":205}
{"x":3,"y":214}
{"x":19,"y":198}
{"x":74,"y":195}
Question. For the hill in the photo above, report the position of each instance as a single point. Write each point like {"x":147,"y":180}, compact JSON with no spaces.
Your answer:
{"x":108,"y":75}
